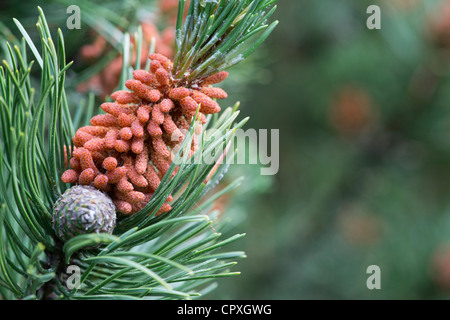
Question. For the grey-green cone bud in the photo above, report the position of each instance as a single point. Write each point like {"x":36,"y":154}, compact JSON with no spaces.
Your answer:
{"x":83,"y":209}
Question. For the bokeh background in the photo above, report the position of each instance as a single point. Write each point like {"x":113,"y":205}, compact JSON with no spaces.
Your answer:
{"x":364,"y":120}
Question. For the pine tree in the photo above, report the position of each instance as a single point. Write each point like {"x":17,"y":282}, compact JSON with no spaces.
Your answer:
{"x":149,"y":248}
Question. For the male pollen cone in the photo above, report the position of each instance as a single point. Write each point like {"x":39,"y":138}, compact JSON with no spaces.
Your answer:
{"x":127,"y":151}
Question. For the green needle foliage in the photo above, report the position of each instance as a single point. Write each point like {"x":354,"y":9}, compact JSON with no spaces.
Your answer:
{"x":173,"y":256}
{"x":217,"y":35}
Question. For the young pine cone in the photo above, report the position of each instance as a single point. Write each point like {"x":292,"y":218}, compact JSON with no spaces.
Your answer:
{"x":127,"y":151}
{"x":83,"y":209}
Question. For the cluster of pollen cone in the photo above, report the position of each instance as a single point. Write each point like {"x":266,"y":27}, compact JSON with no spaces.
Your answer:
{"x":127,"y":151}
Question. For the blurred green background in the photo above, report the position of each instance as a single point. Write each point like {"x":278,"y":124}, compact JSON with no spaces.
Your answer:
{"x":364,"y":120}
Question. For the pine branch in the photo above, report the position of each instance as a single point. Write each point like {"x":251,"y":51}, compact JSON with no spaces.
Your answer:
{"x":171,"y":256}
